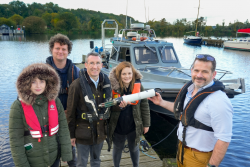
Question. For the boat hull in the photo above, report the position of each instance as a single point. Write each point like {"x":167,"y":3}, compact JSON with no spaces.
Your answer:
{"x":244,"y":46}
{"x":193,"y":41}
{"x":162,"y":123}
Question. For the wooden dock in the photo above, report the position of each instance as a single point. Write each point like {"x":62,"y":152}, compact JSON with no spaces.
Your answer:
{"x":145,"y":160}
{"x":212,"y":42}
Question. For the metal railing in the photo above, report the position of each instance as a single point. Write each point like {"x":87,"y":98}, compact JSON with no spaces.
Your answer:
{"x":172,"y":69}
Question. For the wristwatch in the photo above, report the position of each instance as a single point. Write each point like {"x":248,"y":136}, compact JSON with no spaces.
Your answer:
{"x":209,"y":165}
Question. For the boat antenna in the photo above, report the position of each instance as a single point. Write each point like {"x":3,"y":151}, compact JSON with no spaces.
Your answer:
{"x":148,"y":13}
{"x":145,"y":11}
{"x":197,"y":19}
{"x":126,"y":15}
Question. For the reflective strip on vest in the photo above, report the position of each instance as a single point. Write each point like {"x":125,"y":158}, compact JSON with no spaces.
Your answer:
{"x":35,"y":134}
{"x":33,"y":123}
{"x":53,"y":117}
{"x":54,"y":130}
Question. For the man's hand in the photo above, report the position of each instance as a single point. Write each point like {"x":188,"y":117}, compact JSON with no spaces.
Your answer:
{"x":145,"y":129}
{"x":156,"y":99}
{"x":65,"y":111}
{"x":73,"y":142}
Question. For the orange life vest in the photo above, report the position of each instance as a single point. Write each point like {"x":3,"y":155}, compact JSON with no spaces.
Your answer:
{"x":33,"y":123}
{"x":136,"y":89}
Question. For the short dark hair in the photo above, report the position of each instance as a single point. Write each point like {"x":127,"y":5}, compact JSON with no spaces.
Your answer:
{"x":62,"y":39}
{"x":92,"y":54}
{"x":205,"y":60}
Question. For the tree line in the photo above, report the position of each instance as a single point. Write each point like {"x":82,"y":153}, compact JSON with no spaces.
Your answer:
{"x":181,"y":27}
{"x":50,"y":18}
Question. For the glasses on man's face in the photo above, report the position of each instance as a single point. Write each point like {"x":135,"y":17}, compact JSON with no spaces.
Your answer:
{"x":207,"y":57}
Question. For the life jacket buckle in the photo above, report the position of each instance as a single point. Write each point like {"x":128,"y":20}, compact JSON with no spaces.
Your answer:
{"x":90,"y":118}
{"x":45,"y":128}
{"x":84,"y":116}
{"x":100,"y":116}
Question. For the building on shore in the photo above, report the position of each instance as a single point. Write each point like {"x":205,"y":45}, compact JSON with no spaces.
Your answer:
{"x":6,"y":30}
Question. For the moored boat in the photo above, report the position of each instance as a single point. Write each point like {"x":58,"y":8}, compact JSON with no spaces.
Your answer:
{"x":239,"y":44}
{"x":159,"y":64}
{"x":193,"y":40}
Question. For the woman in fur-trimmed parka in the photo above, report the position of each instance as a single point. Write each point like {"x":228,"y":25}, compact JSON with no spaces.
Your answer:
{"x":131,"y":121}
{"x":37,"y":120}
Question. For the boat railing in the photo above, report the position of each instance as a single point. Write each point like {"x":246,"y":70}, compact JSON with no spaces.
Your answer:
{"x":123,"y":31}
{"x":223,"y":72}
{"x":108,"y":21}
{"x":172,"y":69}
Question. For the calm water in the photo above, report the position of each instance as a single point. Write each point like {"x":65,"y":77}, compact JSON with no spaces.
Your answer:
{"x":18,"y":52}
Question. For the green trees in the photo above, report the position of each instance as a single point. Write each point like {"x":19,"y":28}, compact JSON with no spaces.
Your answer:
{"x":18,"y":7}
{"x":86,"y":21}
{"x":34,"y":25}
{"x":17,"y":19}
{"x":67,"y":21}
{"x":47,"y":17}
{"x":8,"y":22}
{"x":94,"y":24}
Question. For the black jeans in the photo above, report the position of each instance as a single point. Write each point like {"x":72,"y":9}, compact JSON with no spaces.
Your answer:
{"x":119,"y":141}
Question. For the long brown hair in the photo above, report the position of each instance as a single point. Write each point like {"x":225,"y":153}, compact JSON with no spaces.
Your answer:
{"x":118,"y":72}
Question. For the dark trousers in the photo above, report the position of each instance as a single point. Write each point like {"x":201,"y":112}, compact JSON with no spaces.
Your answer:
{"x":83,"y":152}
{"x":118,"y":145}
{"x":72,"y":163}
{"x":56,"y":163}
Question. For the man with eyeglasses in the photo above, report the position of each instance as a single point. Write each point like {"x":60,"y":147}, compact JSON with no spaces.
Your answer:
{"x":205,"y":115}
{"x":88,"y":123}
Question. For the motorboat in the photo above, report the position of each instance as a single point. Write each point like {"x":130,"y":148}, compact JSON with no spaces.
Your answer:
{"x":239,"y":44}
{"x":160,"y":66}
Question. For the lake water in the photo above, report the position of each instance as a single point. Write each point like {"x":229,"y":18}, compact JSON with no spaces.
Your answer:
{"x":18,"y":52}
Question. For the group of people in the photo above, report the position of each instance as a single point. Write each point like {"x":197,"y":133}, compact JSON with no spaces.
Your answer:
{"x":57,"y":113}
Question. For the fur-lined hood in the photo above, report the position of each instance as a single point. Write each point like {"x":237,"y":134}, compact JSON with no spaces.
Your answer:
{"x":39,"y":70}
{"x":114,"y":81}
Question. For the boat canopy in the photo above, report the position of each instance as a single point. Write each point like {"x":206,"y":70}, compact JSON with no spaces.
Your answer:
{"x":247,"y":30}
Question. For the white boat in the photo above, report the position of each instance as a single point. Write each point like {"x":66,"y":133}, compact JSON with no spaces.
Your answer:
{"x":239,"y":44}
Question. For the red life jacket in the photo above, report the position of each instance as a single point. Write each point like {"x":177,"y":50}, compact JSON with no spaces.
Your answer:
{"x":33,"y":123}
{"x":136,"y":89}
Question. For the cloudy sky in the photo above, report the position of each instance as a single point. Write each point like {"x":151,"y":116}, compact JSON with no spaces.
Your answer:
{"x":214,"y":10}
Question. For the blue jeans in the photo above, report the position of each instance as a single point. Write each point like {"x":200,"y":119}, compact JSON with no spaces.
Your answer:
{"x":83,"y":152}
{"x":118,"y":145}
{"x":72,"y":163}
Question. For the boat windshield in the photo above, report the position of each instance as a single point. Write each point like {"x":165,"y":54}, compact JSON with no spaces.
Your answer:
{"x":114,"y":53}
{"x":167,"y":54}
{"x":146,"y":55}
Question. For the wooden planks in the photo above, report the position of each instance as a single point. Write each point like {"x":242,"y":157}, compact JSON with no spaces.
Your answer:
{"x":145,"y":160}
